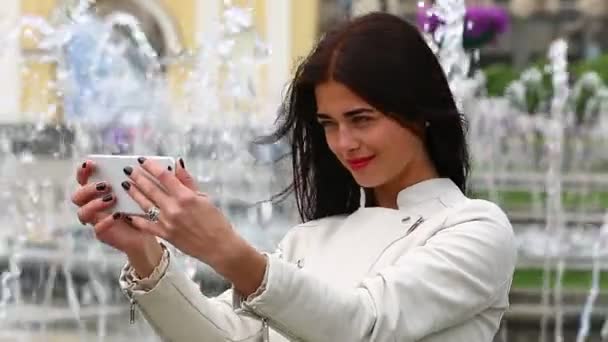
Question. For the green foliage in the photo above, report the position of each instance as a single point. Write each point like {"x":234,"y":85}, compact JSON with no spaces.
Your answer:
{"x":532,"y":278}
{"x":598,"y":65}
{"x":521,"y":199}
{"x":498,"y":77}
{"x":581,"y":104}
{"x":538,"y":96}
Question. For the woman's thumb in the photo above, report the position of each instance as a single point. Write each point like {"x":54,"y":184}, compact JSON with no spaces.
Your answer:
{"x":184,"y":176}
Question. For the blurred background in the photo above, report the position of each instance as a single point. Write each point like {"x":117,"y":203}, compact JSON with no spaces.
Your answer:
{"x":202,"y":78}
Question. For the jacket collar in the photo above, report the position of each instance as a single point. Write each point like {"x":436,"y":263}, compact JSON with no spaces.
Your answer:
{"x":427,"y":197}
{"x":441,"y":189}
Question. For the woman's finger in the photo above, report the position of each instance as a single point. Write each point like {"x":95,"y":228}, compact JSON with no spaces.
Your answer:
{"x":184,"y":176}
{"x":144,"y":225}
{"x":146,"y":186}
{"x":89,"y":192}
{"x":84,"y":171}
{"x":165,"y":176}
{"x":144,"y":202}
{"x":89,"y":213}
{"x":116,"y":231}
{"x":106,"y":223}
{"x":137,"y":195}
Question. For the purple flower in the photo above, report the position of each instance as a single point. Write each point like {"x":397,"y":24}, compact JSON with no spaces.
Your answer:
{"x":482,"y":24}
{"x":481,"y":20}
{"x":426,"y":20}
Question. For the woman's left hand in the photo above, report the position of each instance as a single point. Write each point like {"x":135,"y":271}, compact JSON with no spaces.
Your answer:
{"x":188,"y":219}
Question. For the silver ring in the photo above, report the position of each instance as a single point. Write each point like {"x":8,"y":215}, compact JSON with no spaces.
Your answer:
{"x":153,"y":214}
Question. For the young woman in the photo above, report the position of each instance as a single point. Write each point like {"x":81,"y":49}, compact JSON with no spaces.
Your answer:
{"x":390,"y":249}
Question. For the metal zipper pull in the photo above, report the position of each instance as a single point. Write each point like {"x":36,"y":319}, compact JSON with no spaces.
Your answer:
{"x":265,"y":332}
{"x":415,"y":225}
{"x":132,"y":311}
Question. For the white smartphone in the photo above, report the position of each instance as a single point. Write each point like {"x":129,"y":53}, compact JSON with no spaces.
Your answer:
{"x":109,"y":169}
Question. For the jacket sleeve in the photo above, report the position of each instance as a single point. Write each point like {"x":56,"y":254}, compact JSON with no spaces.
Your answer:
{"x":178,"y":311}
{"x":455,"y":276}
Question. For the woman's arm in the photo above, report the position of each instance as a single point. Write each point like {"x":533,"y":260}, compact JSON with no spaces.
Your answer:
{"x":458,"y":274}
{"x":178,"y":311}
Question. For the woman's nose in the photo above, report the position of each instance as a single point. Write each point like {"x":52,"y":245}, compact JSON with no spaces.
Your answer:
{"x":347,"y":140}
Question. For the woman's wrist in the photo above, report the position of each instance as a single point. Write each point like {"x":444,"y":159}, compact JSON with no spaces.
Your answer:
{"x":242,"y":265}
{"x":146,"y":258}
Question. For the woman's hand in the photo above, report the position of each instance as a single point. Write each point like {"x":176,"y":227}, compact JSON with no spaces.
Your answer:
{"x":94,"y":200}
{"x":189,"y":220}
{"x":187,"y":217}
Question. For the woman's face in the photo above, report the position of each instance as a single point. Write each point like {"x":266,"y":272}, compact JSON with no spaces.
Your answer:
{"x":375,"y":148}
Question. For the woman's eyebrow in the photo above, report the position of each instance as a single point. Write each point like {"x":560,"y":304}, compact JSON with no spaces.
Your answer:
{"x":347,"y":114}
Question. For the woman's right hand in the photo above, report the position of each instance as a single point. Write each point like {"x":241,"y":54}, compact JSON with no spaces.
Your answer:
{"x":93,"y":199}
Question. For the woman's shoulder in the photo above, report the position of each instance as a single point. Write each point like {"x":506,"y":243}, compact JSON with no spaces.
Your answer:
{"x":321,"y":222}
{"x":472,"y":212}
{"x":483,"y":208}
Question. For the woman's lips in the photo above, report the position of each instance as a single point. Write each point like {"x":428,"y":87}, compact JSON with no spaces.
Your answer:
{"x":359,"y":163}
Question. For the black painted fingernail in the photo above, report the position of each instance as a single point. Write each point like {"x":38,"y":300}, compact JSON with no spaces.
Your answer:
{"x":107,"y":198}
{"x":169,"y":168}
{"x":116,"y":216}
{"x":128,"y":170}
{"x":101,"y":186}
{"x":141,"y":160}
{"x":181,"y":162}
{"x":126,"y":185}
{"x":84,"y":165}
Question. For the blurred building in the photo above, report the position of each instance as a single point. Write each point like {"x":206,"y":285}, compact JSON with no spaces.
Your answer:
{"x":172,"y":27}
{"x":584,"y":22}
{"x":290,"y":27}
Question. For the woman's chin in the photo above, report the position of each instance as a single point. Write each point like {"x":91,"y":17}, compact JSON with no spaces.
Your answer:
{"x":366,"y":182}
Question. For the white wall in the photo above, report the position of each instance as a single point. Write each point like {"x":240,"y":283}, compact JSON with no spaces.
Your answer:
{"x":207,"y":18}
{"x":10,"y":66}
{"x":279,"y":33}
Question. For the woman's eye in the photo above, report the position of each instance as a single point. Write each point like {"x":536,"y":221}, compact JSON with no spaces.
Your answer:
{"x":326,"y":124}
{"x":361,"y":119}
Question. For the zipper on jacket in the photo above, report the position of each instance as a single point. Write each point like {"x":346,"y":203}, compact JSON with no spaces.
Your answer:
{"x":265,"y":330}
{"x":132,"y":312}
{"x":133,"y":304}
{"x":415,"y":225}
{"x":267,"y":322}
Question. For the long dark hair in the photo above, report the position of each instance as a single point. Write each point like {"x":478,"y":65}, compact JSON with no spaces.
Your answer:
{"x":385,"y":61}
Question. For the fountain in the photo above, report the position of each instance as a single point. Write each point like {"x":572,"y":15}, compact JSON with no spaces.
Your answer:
{"x":539,"y":152}
{"x":57,"y":282}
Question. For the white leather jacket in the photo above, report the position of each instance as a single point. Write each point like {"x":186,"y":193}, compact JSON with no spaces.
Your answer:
{"x":439,"y":268}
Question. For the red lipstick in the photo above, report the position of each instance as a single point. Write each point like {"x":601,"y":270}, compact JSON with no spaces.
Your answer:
{"x":359,"y":163}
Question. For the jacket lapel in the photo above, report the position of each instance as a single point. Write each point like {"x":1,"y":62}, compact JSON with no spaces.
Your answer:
{"x":354,"y":247}
{"x":348,"y":249}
